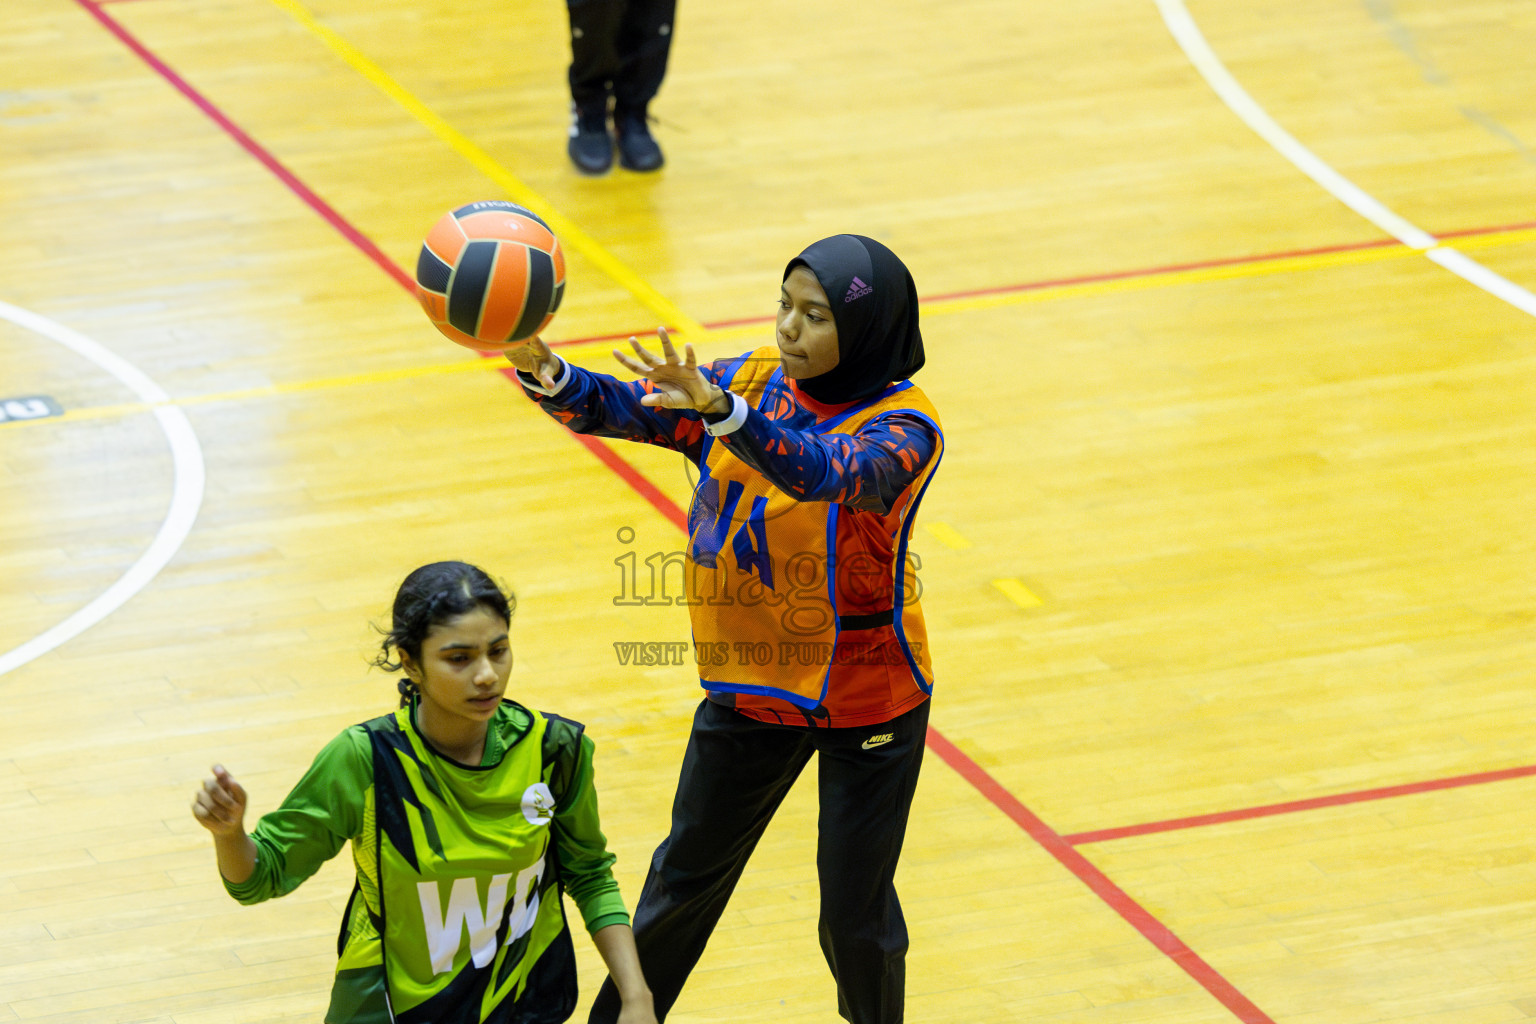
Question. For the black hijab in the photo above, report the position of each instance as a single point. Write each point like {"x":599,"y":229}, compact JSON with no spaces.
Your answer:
{"x":874,"y":304}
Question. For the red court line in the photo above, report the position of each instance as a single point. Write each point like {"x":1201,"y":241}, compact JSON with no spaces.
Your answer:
{"x":1150,"y":927}
{"x":1474,"y":232}
{"x":362,"y":242}
{"x":1228,"y":261}
{"x":567,"y":342}
{"x":251,"y":146}
{"x":1161,"y":270}
{"x":1292,"y":806}
{"x":637,"y":480}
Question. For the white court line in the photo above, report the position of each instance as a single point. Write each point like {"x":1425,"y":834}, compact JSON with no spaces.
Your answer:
{"x":186,"y":495}
{"x":1192,"y":41}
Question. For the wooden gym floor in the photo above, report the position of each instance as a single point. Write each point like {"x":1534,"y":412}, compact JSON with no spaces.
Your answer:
{"x":1229,"y":566}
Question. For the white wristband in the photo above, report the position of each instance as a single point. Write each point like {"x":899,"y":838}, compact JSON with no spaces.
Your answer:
{"x":732,"y":422}
{"x":532,"y":383}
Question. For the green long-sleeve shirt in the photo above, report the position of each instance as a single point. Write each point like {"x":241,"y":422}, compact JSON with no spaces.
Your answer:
{"x":436,"y":845}
{"x":325,"y":810}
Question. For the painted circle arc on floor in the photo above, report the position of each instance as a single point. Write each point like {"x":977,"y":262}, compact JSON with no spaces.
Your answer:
{"x":186,"y":491}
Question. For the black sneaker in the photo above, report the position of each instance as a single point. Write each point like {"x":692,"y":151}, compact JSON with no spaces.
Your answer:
{"x":637,"y":150}
{"x":591,"y":147}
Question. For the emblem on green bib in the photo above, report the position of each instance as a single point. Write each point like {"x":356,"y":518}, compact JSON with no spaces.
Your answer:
{"x":538,"y":804}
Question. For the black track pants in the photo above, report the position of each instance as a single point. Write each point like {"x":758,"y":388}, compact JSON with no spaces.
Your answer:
{"x":619,"y":48}
{"x":734,"y":775}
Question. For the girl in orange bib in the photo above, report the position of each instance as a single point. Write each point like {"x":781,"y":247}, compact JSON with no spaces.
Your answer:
{"x":813,"y":457}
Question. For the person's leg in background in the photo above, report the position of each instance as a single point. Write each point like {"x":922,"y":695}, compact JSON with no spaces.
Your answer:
{"x":734,"y":775}
{"x":644,"y":43}
{"x":595,"y":63}
{"x":867,"y":783}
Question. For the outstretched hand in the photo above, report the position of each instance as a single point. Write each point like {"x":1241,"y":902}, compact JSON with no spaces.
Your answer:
{"x":534,"y":357}
{"x":679,"y":383}
{"x":220,"y":805}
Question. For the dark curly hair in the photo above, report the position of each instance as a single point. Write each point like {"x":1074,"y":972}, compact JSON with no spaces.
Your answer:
{"x":430,"y":596}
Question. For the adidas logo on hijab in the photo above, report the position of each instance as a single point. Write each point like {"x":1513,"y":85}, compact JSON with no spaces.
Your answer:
{"x":878,"y":342}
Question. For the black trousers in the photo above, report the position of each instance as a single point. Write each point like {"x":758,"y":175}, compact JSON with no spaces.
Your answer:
{"x":619,"y":48}
{"x":734,"y":775}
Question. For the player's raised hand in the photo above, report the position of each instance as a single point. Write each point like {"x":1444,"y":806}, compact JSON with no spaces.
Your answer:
{"x":678,"y":381}
{"x":219,"y":805}
{"x":534,"y":357}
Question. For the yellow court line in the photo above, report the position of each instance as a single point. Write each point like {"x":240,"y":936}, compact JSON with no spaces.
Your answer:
{"x":1018,"y":593}
{"x":762,"y":330}
{"x":295,"y":387}
{"x":267,"y":391}
{"x":947,"y":535}
{"x":298,"y":387}
{"x":1492,"y":239}
{"x":1151,"y":279}
{"x":1260,"y":267}
{"x":571,"y":236}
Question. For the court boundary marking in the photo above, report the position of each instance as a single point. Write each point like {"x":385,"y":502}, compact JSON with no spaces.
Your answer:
{"x":1152,"y":929}
{"x":1294,"y":806}
{"x":1192,"y":41}
{"x":189,"y":479}
{"x":1063,"y":851}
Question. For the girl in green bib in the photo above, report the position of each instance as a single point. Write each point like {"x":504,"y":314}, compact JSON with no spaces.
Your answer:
{"x":468,"y":815}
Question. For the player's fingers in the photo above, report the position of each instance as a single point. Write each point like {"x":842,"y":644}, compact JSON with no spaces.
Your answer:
{"x":204,"y":813}
{"x":218,"y":796}
{"x":645,"y":356}
{"x":667,"y":398}
{"x":213,"y":798}
{"x":629,"y":364}
{"x":667,"y":348}
{"x":528,"y":354}
{"x":691,"y":362}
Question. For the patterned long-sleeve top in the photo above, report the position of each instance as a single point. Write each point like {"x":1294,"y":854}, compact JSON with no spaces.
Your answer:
{"x":866,"y":471}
